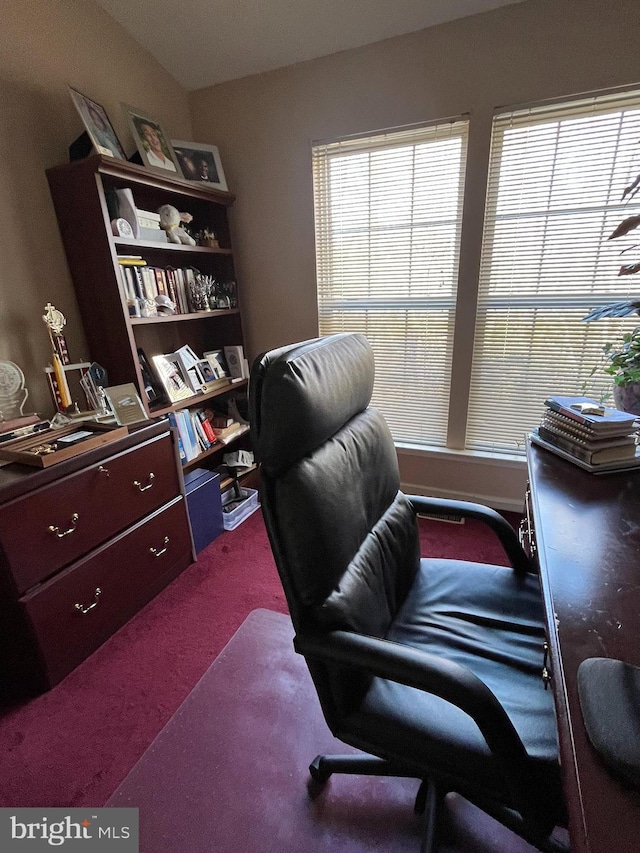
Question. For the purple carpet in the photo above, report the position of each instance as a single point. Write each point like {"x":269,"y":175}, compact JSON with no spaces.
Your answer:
{"x":228,"y":773}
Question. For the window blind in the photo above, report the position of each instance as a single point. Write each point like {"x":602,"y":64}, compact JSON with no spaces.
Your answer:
{"x":388,"y":212}
{"x":556,"y":179}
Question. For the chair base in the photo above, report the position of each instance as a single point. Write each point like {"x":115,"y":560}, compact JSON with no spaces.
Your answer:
{"x":427,"y":799}
{"x":324,"y":766}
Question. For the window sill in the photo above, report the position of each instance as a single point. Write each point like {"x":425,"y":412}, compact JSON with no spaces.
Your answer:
{"x":476,"y":457}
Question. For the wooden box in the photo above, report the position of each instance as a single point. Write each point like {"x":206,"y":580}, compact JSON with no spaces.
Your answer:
{"x":55,"y":445}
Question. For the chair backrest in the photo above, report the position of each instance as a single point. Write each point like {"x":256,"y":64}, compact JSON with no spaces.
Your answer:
{"x":344,"y":537}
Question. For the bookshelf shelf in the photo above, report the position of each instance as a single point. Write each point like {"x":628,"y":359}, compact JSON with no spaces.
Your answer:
{"x":179,"y":318}
{"x":84,"y":197}
{"x":156,"y":245}
{"x":197,"y":400}
{"x":215,"y":451}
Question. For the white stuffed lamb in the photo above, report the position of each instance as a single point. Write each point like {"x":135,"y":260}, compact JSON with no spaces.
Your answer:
{"x":170,"y":219}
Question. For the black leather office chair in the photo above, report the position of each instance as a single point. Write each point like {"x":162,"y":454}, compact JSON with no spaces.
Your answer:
{"x":431,"y":667}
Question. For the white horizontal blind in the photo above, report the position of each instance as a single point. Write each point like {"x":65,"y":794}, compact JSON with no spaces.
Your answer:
{"x":388,"y":216}
{"x":556,"y":179}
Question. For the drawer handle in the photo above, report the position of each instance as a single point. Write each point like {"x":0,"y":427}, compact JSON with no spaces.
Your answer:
{"x":84,"y":610}
{"x":104,"y":470}
{"x":150,"y":480}
{"x":53,"y":528}
{"x":159,"y":553}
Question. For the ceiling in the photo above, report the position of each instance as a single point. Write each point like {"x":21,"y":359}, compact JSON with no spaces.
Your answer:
{"x":204,"y":42}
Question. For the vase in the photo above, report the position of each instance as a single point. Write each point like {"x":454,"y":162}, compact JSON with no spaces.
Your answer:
{"x":627,"y":397}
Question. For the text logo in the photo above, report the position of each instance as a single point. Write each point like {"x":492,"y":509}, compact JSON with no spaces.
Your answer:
{"x":102,"y":830}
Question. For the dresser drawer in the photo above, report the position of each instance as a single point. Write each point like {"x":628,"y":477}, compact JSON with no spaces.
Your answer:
{"x":75,"y":612}
{"x":53,"y":526}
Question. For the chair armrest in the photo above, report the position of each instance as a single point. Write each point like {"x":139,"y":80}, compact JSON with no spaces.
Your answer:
{"x":432,"y":674}
{"x":500,"y":526}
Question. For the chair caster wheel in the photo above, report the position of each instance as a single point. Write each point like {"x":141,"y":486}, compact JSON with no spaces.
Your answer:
{"x":318,"y":771}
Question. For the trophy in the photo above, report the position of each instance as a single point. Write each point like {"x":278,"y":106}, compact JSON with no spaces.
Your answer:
{"x":55,"y":322}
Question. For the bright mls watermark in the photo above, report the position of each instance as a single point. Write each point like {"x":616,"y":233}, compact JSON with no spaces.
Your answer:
{"x":102,"y":830}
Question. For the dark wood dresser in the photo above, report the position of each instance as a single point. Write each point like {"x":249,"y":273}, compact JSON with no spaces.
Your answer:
{"x":84,"y":545}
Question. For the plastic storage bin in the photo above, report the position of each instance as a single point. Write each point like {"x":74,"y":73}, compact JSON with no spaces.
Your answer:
{"x":205,"y":506}
{"x":236,"y":516}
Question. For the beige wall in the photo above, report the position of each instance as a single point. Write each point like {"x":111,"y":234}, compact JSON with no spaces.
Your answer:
{"x":45,"y":45}
{"x":264,"y":126}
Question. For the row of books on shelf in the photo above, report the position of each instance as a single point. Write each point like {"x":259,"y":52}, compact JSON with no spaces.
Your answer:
{"x":142,"y":281}
{"x":199,"y":430}
{"x":594,"y":437}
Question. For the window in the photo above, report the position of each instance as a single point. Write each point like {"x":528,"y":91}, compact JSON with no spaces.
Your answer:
{"x":388,"y":217}
{"x":556,"y":179}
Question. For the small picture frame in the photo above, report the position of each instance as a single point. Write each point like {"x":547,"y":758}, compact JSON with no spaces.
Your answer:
{"x":218,"y":363}
{"x":96,"y":122}
{"x":206,"y":371}
{"x":152,"y":142}
{"x":201,"y":163}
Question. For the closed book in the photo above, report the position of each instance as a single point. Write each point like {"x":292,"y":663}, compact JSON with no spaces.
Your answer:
{"x":153,"y":235}
{"x":610,"y":420}
{"x":174,"y":423}
{"x":603,"y":468}
{"x":220,"y":422}
{"x":235,"y":360}
{"x":614,"y":453}
{"x":583,"y":435}
{"x":161,"y":282}
{"x":200,"y":433}
{"x":130,"y":261}
{"x":226,"y":431}
{"x":171,"y":288}
{"x":206,"y":426}
{"x":225,"y":439}
{"x":187,"y":432}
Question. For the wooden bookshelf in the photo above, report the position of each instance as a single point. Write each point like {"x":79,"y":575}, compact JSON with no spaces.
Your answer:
{"x":83,"y":193}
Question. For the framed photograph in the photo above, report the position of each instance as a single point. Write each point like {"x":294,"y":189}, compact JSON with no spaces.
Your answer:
{"x":218,"y":363}
{"x":200,"y":162}
{"x":152,"y":142}
{"x":206,"y":371}
{"x":102,"y":135}
{"x":152,"y":388}
{"x":173,"y":377}
{"x":55,"y":445}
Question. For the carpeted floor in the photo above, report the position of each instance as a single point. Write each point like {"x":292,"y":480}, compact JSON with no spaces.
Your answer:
{"x":229,"y":771}
{"x":73,"y":745}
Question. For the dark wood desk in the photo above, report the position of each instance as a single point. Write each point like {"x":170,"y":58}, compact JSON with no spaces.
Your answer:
{"x":586,"y":531}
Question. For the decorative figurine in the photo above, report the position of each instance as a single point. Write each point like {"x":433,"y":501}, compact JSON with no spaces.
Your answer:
{"x":170,"y":219}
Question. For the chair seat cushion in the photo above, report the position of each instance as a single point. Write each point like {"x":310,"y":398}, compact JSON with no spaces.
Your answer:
{"x":489,"y":620}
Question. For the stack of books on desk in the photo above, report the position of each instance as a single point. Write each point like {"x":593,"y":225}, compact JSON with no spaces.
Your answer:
{"x":594,"y":437}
